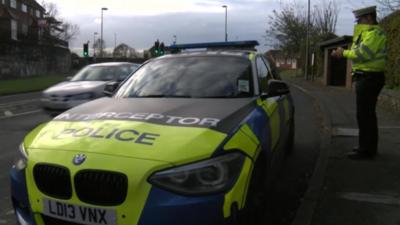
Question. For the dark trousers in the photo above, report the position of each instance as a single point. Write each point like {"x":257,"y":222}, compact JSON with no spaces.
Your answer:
{"x":368,"y":87}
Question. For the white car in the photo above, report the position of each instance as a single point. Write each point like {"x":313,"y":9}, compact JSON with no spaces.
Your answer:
{"x":86,"y":85}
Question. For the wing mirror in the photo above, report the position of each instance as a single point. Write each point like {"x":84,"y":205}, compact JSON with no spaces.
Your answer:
{"x":276,"y":88}
{"x":110,"y":88}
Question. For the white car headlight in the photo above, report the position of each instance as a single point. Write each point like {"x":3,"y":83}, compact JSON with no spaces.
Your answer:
{"x":206,"y":177}
{"x":22,"y":159}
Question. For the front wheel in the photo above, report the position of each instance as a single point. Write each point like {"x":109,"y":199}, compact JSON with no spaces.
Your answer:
{"x":290,"y":142}
{"x":255,"y":209}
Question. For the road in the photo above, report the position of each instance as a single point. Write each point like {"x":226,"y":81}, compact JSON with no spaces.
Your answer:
{"x":288,"y":190}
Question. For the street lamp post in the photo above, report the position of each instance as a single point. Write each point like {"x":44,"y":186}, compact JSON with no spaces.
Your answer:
{"x":101,"y":38}
{"x":226,"y":22}
{"x":174,"y":39}
{"x":94,"y":42}
{"x":307,"y":42}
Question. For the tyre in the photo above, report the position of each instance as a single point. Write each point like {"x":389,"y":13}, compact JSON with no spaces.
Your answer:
{"x":290,"y":142}
{"x":254,"y":211}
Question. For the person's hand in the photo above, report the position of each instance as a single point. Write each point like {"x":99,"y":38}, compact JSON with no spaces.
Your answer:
{"x":338,"y":53}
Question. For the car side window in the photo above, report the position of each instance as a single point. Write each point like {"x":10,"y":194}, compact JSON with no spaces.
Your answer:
{"x":273,"y":73}
{"x":263,"y":75}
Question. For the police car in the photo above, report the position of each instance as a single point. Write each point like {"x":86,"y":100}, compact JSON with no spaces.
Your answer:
{"x":191,"y":139}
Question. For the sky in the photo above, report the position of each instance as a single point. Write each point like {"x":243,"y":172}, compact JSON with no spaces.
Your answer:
{"x":140,"y":23}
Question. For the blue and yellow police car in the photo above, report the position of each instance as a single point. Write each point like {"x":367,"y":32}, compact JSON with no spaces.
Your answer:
{"x":190,"y":139}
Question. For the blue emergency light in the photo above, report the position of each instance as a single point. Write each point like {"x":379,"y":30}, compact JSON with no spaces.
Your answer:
{"x":217,"y":45}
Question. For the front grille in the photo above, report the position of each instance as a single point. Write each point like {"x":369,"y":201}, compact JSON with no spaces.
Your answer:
{"x":53,"y":180}
{"x":101,"y":187}
{"x":53,"y":221}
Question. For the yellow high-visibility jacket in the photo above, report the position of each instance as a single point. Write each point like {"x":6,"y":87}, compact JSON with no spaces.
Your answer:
{"x":368,"y":51}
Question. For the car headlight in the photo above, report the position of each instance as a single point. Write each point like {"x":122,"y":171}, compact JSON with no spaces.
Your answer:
{"x":205,"y":177}
{"x":82,"y":96}
{"x":22,"y":159}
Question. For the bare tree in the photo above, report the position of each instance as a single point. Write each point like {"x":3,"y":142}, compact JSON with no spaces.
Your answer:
{"x":69,"y":31}
{"x":97,"y":45}
{"x":326,"y":15}
{"x":125,"y":51}
{"x":389,"y":6}
{"x":287,"y":28}
{"x":51,"y":9}
{"x":58,"y":27}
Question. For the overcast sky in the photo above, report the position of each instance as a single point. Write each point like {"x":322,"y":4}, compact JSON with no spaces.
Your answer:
{"x":140,"y":23}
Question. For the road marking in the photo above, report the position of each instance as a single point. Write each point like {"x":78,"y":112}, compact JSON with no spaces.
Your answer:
{"x":300,"y":88}
{"x":372,"y":198}
{"x":21,"y":114}
{"x":8,"y":113}
{"x":346,"y":132}
{"x":17,"y":95}
{"x":387,"y":127}
{"x":353,"y":132}
{"x":3,"y":105}
{"x":10,"y":212}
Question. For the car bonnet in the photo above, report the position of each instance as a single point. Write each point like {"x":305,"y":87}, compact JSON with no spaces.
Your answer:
{"x":166,"y":129}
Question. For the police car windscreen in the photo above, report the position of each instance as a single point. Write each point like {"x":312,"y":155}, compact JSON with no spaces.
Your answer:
{"x":192,"y":77}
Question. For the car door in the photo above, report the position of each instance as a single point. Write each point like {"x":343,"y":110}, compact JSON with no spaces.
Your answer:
{"x":273,"y":108}
{"x":270,"y":105}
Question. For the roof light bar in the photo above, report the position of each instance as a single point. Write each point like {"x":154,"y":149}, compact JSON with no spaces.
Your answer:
{"x":217,"y":45}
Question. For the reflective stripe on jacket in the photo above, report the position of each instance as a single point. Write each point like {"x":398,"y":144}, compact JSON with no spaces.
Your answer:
{"x":368,"y":51}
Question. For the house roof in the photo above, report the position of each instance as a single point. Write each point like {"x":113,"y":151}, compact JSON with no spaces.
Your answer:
{"x":34,"y":4}
{"x":276,"y":53}
{"x":346,"y":39}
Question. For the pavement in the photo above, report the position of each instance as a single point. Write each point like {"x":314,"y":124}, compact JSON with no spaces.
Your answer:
{"x":343,"y":191}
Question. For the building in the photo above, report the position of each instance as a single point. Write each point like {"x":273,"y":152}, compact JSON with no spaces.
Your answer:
{"x":20,"y":20}
{"x":27,"y":46}
{"x":336,"y":72}
{"x":282,"y":60}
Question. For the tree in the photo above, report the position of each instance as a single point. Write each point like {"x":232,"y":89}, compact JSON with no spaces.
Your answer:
{"x":125,"y":51}
{"x":326,"y":16}
{"x":58,"y":27}
{"x":288,"y":28}
{"x":97,"y":45}
{"x":389,"y":6}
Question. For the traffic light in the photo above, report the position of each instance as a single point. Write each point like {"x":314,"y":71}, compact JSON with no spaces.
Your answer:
{"x":85,"y":50}
{"x":159,"y":48}
{"x":162,"y":50}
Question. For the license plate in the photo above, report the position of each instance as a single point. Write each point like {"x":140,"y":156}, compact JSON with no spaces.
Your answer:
{"x":79,"y":214}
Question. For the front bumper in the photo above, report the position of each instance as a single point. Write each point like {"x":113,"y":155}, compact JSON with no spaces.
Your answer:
{"x":144,"y":204}
{"x":19,"y":197}
{"x":51,"y":106}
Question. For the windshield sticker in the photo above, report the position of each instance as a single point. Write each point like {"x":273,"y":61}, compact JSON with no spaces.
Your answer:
{"x":243,"y":86}
{"x":149,"y":117}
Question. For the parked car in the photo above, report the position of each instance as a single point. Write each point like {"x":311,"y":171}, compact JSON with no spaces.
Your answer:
{"x":190,"y":139}
{"x":86,"y":85}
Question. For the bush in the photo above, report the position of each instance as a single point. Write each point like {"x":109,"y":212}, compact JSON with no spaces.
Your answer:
{"x":391,"y":25}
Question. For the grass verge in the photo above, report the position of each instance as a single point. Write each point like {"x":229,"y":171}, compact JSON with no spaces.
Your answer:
{"x":289,"y":73}
{"x":28,"y":84}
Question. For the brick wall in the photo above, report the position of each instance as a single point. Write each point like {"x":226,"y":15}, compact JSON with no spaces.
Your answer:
{"x":21,"y":60}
